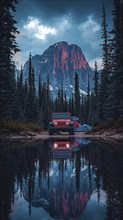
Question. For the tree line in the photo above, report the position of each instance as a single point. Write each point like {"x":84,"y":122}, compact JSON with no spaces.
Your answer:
{"x":105,"y":101}
{"x":20,"y":100}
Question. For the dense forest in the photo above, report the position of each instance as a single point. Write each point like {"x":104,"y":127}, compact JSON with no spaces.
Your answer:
{"x":21,"y":101}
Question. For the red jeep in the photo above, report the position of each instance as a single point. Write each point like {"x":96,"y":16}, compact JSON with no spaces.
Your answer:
{"x":61,"y":121}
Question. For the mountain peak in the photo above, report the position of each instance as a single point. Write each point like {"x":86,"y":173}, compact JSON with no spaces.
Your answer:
{"x":61,"y":61}
{"x":61,"y":43}
{"x":67,"y":58}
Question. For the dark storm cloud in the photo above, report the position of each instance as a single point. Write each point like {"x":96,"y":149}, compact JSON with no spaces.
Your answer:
{"x":45,"y":22}
{"x":48,"y":9}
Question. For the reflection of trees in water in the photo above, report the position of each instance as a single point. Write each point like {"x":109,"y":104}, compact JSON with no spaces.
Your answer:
{"x":66,"y":196}
{"x":78,"y":169}
{"x":61,"y":199}
{"x":108,"y":164}
{"x":6,"y":184}
{"x":18,"y":165}
{"x":31,"y":166}
{"x":114,"y":184}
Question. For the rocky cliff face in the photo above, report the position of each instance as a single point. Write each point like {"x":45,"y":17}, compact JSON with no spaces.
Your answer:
{"x":61,"y":61}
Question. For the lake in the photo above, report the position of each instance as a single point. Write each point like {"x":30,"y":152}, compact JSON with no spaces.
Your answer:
{"x":68,"y":178}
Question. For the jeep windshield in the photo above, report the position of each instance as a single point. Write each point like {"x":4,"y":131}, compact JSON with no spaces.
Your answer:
{"x":61,"y":116}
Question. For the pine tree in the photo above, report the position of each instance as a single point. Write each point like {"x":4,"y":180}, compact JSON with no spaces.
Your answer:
{"x":82,"y":108}
{"x":8,"y":47}
{"x":40,"y":92}
{"x":59,"y":107}
{"x":65,"y":105}
{"x":31,"y":108}
{"x":16,"y":109}
{"x":91,"y":113}
{"x":106,"y":62}
{"x":95,"y":98}
{"x":25,"y":97}
{"x":56,"y":104}
{"x":47,"y":104}
{"x":88,"y":102}
{"x":73,"y":105}
{"x":69,"y":105}
{"x":77,"y":95}
{"x":21,"y":97}
{"x":121,"y":62}
{"x":52,"y":104}
{"x":62,"y":97}
{"x":96,"y":80}
{"x":100,"y":105}
{"x":33,"y":83}
{"x":44,"y":108}
{"x":13,"y":101}
{"x":116,"y":99}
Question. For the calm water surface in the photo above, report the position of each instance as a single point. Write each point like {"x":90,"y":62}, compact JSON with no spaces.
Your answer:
{"x":61,"y":179}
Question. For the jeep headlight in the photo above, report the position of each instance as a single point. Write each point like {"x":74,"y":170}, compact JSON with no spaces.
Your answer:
{"x":55,"y":145}
{"x":67,"y":122}
{"x":67,"y":145}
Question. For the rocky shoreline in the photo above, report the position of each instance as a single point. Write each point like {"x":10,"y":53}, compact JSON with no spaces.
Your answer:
{"x":109,"y":135}
{"x":116,"y":134}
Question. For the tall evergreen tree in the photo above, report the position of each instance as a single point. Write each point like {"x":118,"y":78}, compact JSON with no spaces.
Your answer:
{"x":73,"y":105}
{"x":45,"y":111}
{"x":21,"y":97}
{"x":47,"y":103}
{"x":82,"y":108}
{"x":17,"y":109}
{"x":13,"y":102}
{"x":88,"y":101}
{"x":62,"y":97}
{"x":33,"y":82}
{"x":25,"y":95}
{"x":56,"y":104}
{"x":95,"y":97}
{"x":65,"y":106}
{"x":31,"y":108}
{"x":40,"y":92}
{"x":106,"y":62}
{"x":40,"y":98}
{"x":77,"y":95}
{"x":8,"y":47}
{"x":116,"y":98}
{"x":96,"y":80}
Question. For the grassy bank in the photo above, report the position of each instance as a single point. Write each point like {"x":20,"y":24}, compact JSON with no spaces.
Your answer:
{"x":109,"y":130}
{"x":16,"y":127}
{"x":108,"y":125}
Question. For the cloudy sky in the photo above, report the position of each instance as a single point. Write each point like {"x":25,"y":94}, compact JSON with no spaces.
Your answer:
{"x":44,"y":22}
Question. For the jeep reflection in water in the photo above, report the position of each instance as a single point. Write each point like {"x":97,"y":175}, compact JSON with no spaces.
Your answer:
{"x":61,"y":121}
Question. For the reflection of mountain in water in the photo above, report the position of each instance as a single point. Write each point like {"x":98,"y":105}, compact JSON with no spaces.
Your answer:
{"x":61,"y":198}
{"x":61,"y":187}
